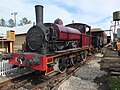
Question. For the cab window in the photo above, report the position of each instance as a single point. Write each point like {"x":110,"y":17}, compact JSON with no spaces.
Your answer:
{"x":88,"y":30}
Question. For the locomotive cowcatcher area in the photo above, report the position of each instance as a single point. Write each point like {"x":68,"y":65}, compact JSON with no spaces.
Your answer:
{"x":53,"y":56}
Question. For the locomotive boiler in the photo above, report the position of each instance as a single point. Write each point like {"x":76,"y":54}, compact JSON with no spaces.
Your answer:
{"x":50,"y":37}
{"x":53,"y":46}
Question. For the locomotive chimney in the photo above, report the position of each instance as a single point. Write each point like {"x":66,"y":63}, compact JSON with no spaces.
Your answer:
{"x":39,"y":14}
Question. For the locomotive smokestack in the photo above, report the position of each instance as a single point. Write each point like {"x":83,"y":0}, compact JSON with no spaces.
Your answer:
{"x":39,"y":14}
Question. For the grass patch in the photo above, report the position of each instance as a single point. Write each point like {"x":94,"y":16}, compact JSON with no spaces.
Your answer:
{"x":114,"y":83}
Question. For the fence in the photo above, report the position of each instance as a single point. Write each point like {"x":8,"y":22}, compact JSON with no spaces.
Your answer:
{"x":5,"y":68}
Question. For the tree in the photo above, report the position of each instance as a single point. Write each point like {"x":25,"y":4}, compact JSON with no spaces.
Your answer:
{"x":24,"y":21}
{"x":2,"y":22}
{"x":11,"y":23}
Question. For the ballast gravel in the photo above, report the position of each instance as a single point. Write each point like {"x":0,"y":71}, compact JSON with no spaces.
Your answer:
{"x":84,"y":77}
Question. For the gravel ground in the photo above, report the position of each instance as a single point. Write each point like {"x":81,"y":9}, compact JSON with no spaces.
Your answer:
{"x":85,"y":76}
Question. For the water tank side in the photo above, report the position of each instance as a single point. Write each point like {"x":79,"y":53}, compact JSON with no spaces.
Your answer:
{"x":116,"y":16}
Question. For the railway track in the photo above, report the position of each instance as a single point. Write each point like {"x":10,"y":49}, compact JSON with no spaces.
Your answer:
{"x":34,"y":81}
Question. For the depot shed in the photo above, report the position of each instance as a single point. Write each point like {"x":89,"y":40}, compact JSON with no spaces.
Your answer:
{"x":7,"y":37}
{"x":99,"y":37}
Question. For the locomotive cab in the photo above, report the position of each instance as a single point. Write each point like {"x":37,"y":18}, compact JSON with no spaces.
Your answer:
{"x":86,"y":38}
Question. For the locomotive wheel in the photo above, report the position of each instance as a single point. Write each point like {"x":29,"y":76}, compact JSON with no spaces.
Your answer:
{"x":83,"y":56}
{"x":73,"y":61}
{"x":62,"y":65}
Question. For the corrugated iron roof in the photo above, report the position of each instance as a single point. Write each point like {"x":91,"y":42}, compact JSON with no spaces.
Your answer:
{"x":97,"y":30}
{"x":18,"y":30}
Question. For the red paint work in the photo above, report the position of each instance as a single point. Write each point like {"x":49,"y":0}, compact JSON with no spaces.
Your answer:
{"x":41,"y":67}
{"x":67,"y":33}
{"x":49,"y":60}
{"x":90,"y":39}
{"x":50,"y":69}
{"x":85,"y":40}
{"x":63,"y":36}
{"x":13,"y":61}
{"x":105,"y":38}
{"x":74,"y":36}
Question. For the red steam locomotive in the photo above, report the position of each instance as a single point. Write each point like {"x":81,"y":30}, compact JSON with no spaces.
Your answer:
{"x":53,"y":47}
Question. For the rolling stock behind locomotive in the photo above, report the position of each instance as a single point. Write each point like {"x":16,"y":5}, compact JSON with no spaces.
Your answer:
{"x":52,"y":46}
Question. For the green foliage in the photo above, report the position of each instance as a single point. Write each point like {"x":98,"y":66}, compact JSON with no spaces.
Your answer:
{"x":114,"y":83}
{"x":11,"y":23}
{"x":2,"y":22}
{"x":24,"y":21}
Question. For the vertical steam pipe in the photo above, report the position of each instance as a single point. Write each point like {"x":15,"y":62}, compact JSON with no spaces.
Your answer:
{"x":39,"y":14}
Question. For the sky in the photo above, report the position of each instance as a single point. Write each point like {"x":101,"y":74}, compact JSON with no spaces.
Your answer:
{"x":96,"y":13}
